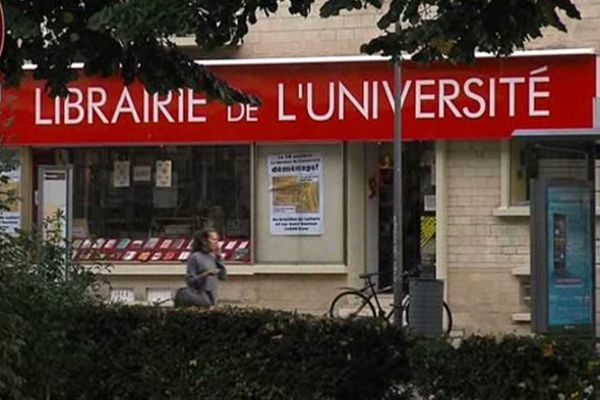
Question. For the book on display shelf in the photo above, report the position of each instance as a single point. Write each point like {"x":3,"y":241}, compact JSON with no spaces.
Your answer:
{"x":169,"y":256}
{"x":123,"y":243}
{"x":151,"y":243}
{"x":240,"y":255}
{"x":144,"y":256}
{"x":136,"y":244}
{"x":115,"y":255}
{"x":166,"y":243}
{"x":129,"y":255}
{"x":110,"y":243}
{"x":98,"y":243}
{"x":98,"y":256}
{"x":177,"y":244}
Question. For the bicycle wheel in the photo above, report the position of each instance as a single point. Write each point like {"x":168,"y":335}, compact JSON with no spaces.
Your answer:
{"x":401,"y":309}
{"x":446,"y":317}
{"x":351,"y":304}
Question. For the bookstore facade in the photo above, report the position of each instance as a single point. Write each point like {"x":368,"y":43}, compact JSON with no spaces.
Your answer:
{"x":300,"y":187}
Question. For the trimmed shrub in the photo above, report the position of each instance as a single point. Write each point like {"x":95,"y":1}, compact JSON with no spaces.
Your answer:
{"x":130,"y":353}
{"x":511,"y":367}
{"x":149,"y":353}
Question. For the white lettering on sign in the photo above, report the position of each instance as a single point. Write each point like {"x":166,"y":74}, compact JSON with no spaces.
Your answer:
{"x":534,"y":94}
{"x":512,"y":98}
{"x":90,"y":105}
{"x":242,"y":112}
{"x":125,"y":105}
{"x":192,"y":102}
{"x":479,"y":99}
{"x":281,"y":115}
{"x":95,"y":106}
{"x":472,"y":97}
{"x":422,"y":97}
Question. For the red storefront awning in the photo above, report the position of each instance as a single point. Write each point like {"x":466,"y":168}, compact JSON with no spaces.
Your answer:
{"x":318,"y":100}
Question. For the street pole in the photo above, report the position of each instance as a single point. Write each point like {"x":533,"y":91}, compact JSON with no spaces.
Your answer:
{"x":398,"y":239}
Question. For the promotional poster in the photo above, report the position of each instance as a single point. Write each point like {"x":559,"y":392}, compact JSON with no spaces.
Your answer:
{"x":296,"y":194}
{"x":569,"y":256}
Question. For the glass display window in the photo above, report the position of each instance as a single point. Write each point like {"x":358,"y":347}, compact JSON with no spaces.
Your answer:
{"x":143,"y":204}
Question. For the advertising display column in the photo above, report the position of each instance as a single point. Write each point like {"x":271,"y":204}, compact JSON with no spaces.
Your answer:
{"x":563,"y":258}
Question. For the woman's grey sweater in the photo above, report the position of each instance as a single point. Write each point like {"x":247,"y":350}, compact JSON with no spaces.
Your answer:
{"x":198,"y":263}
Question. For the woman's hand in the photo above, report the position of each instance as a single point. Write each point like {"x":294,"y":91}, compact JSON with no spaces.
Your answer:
{"x":209,"y":272}
{"x":218,"y":254}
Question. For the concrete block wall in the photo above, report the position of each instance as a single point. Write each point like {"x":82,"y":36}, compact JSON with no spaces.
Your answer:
{"x":580,"y":33}
{"x":284,"y":35}
{"x":303,"y":293}
{"x":482,"y":249}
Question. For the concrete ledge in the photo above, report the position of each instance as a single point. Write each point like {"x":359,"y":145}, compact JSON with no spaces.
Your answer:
{"x":511,"y":211}
{"x":519,"y":211}
{"x":232,"y":269}
{"x":524,"y":317}
{"x":521,"y":271}
{"x":299,"y":269}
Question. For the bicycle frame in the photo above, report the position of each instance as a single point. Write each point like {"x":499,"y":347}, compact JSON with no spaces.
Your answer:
{"x":370,"y":295}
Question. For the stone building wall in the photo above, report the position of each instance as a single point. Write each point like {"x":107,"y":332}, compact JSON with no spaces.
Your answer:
{"x":483,"y":249}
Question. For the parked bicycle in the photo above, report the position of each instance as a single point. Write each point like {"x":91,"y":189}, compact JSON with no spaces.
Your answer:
{"x":365,"y":302}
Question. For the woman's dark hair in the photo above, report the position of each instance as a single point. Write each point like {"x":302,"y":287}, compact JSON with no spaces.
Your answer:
{"x":200,"y":242}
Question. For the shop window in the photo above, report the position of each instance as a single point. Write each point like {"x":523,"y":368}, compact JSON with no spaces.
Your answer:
{"x":144,"y":203}
{"x":300,"y":217}
{"x":519,"y":187}
{"x":528,"y":160}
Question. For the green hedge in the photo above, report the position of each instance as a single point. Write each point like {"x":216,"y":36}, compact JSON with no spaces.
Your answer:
{"x":511,"y":367}
{"x":131,"y":353}
{"x":148,"y":353}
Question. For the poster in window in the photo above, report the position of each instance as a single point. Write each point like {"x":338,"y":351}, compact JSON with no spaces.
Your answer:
{"x":166,"y":196}
{"x":142,"y":173}
{"x":569,"y":256}
{"x":163,"y":173}
{"x":10,"y":219}
{"x":121,"y":174}
{"x":296,"y":186}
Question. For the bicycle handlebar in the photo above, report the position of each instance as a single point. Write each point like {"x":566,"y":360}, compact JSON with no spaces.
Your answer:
{"x":368,"y":275}
{"x":405,"y":273}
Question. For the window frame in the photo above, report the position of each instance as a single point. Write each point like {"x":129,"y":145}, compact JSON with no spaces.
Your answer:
{"x":506,"y":209}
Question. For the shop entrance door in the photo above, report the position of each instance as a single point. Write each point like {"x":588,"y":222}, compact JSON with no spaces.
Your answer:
{"x":418,"y":207}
